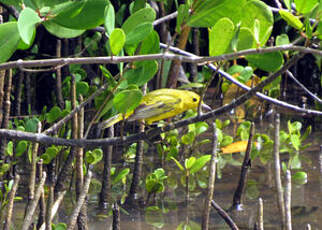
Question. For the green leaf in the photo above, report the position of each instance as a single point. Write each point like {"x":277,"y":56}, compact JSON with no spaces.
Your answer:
{"x":151,"y":44}
{"x":9,"y":149}
{"x":306,"y":133}
{"x":122,"y":174}
{"x":109,"y":22}
{"x":117,"y":41}
{"x":183,"y":13}
{"x":220,"y":37}
{"x":142,"y":16}
{"x":32,"y":125}
{"x":142,"y":72}
{"x":282,"y":40}
{"x":292,"y":20}
{"x":200,"y":163}
{"x":53,"y":114}
{"x":82,"y":88}
{"x":207,"y":12}
{"x":9,"y":39}
{"x":269,"y":62}
{"x":296,"y":141}
{"x":61,"y":31}
{"x":246,"y":39}
{"x":83,"y":14}
{"x":138,"y":4}
{"x":127,"y":100}
{"x":305,"y":6}
{"x":177,"y":163}
{"x":257,"y":12}
{"x":21,"y":148}
{"x":299,"y":178}
{"x":27,"y":21}
{"x":189,"y":162}
{"x":139,"y":33}
{"x":93,"y":157}
{"x":50,"y":154}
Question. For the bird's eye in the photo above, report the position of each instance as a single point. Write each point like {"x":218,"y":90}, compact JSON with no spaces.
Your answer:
{"x":194,"y":99}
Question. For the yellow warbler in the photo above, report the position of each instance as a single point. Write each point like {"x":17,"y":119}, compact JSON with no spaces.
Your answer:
{"x":158,"y":105}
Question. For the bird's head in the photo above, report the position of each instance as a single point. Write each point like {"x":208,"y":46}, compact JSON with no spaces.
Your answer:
{"x":191,"y":101}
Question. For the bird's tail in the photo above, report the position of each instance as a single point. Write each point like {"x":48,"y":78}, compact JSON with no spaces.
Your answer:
{"x":111,"y":121}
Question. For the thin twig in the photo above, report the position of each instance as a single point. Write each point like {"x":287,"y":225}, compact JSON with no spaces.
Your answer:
{"x":80,"y":202}
{"x":11,"y":198}
{"x":277,"y":169}
{"x":55,"y":207}
{"x":260,"y":214}
{"x":29,"y":216}
{"x":211,"y":179}
{"x":289,"y":73}
{"x":288,"y":191}
{"x":166,"y":56}
{"x":116,"y":217}
{"x":224,"y":215}
{"x":244,"y":170}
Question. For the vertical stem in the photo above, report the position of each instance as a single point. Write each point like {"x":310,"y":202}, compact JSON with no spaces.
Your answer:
{"x":2,"y":81}
{"x":116,"y":217}
{"x":10,"y":203}
{"x":28,"y":89}
{"x":50,"y":201}
{"x":106,"y":179}
{"x":6,"y":111}
{"x":211,"y":180}
{"x":288,"y":191}
{"x":175,"y":65}
{"x":244,"y":169}
{"x":80,"y":202}
{"x":277,"y":167}
{"x":42,"y":202}
{"x":29,"y":216}
{"x":18,"y":93}
{"x":196,"y":51}
{"x":32,"y":178}
{"x":59,"y":94}
{"x":260,"y":214}
{"x":137,"y":172}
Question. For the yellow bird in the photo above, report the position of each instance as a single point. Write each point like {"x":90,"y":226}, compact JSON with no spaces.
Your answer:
{"x":158,"y":105}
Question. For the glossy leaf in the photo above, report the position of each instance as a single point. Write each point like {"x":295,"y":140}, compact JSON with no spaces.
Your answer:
{"x":282,"y":40}
{"x":246,"y":39}
{"x":61,"y":31}
{"x":257,"y":12}
{"x":121,"y":175}
{"x":94,"y":156}
{"x":220,"y":36}
{"x":178,"y":163}
{"x":269,"y":62}
{"x":27,"y":21}
{"x":146,"y":15}
{"x":305,"y":6}
{"x":81,"y":14}
{"x":53,"y":114}
{"x":292,"y":20}
{"x":139,"y":33}
{"x":21,"y":148}
{"x":203,"y":13}
{"x":109,"y":21}
{"x":127,"y":100}
{"x":117,"y":41}
{"x":142,"y":72}
{"x":151,"y":44}
{"x":189,"y":162}
{"x":8,"y":44}
{"x":183,"y":13}
{"x":299,"y":178}
{"x":200,"y":163}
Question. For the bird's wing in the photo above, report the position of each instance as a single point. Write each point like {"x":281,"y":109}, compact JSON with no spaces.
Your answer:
{"x":155,"y":108}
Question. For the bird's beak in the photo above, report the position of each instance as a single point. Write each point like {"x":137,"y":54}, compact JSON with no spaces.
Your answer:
{"x":206,"y":107}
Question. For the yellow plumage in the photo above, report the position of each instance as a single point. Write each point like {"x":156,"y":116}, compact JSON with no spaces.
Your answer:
{"x":158,"y":105}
